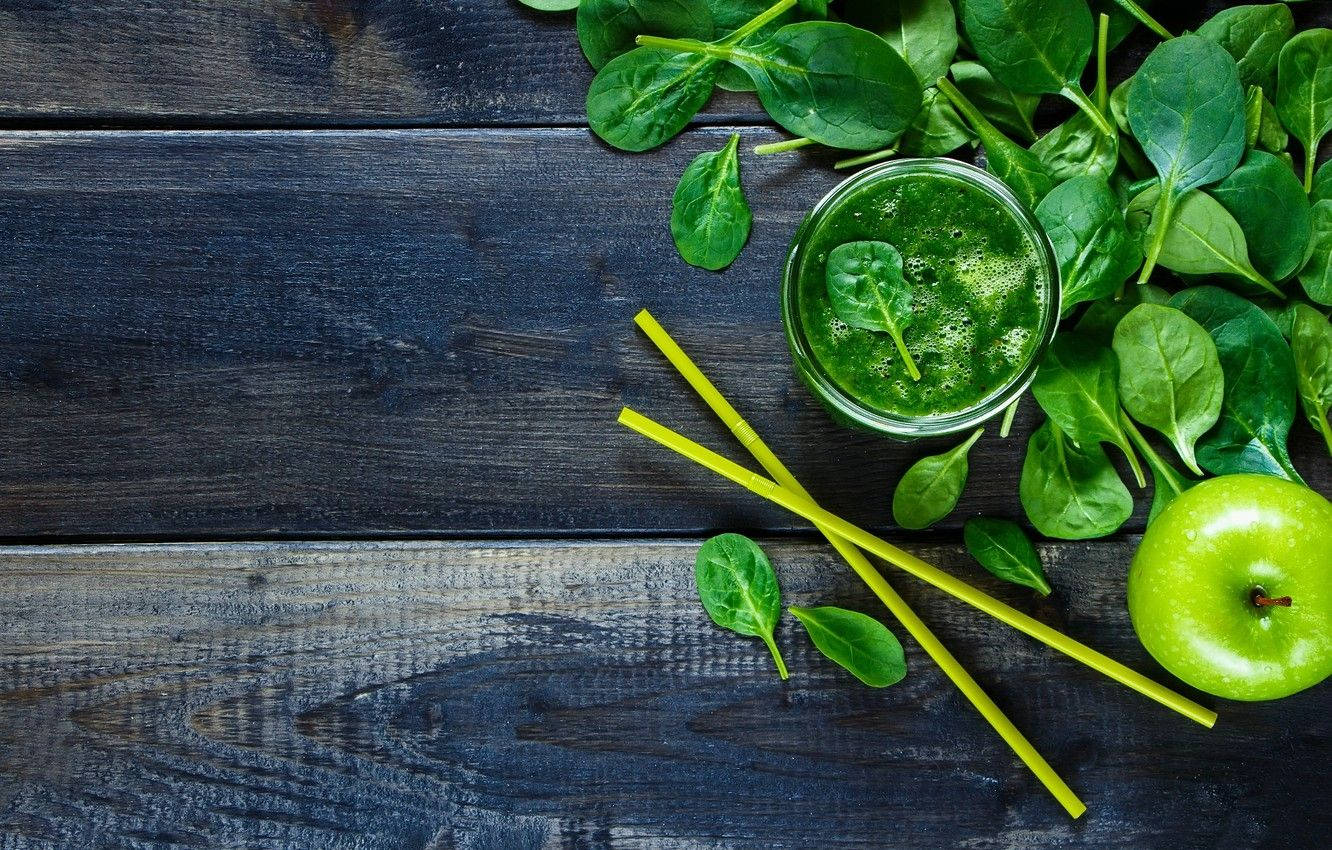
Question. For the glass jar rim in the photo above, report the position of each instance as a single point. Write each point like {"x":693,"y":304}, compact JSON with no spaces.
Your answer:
{"x":842,"y":403}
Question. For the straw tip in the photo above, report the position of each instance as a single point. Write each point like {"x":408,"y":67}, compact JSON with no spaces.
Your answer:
{"x":626,"y":414}
{"x":645,"y":320}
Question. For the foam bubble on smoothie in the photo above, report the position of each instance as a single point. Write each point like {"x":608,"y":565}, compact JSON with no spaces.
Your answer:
{"x":1013,"y":343}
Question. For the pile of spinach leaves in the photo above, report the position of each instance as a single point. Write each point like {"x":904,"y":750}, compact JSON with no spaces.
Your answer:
{"x":1185,"y":206}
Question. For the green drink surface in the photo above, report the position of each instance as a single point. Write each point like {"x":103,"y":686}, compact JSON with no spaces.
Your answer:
{"x":978,"y":281}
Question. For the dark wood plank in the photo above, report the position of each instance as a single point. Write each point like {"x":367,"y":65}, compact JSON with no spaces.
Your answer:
{"x":426,"y":332}
{"x":296,"y":63}
{"x":575,"y":695}
{"x":333,"y":62}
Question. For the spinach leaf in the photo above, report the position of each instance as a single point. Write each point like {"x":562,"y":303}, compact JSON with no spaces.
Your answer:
{"x":1311,"y":343}
{"x":550,"y":5}
{"x":1086,"y":227}
{"x":1258,"y":407}
{"x":1268,"y":203}
{"x":1186,"y":107}
{"x":1201,"y":238}
{"x":738,"y":588}
{"x":1322,"y":184}
{"x":857,"y":642}
{"x":1316,"y":276}
{"x":924,"y":32}
{"x":936,"y":130}
{"x":929,"y":490}
{"x":606,"y":28}
{"x":1253,"y":36}
{"x":1304,"y":92}
{"x":1016,"y":166}
{"x":1097,"y":325}
{"x":1119,"y":105}
{"x":1282,"y":314}
{"x":867,"y":290}
{"x":643,"y":98}
{"x":728,"y":16}
{"x":1170,"y":377}
{"x":827,"y":81}
{"x":1077,"y":387}
{"x":1271,"y":135}
{"x":1069,"y":492}
{"x":1167,"y":483}
{"x":1001,"y":547}
{"x":1035,"y":46}
{"x":1076,"y":148}
{"x":1253,"y":117}
{"x":1137,"y":12}
{"x":1122,"y":21}
{"x":1011,"y":111}
{"x":709,"y":215}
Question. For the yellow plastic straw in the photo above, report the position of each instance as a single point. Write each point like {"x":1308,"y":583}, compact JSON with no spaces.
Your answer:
{"x":801,"y":506}
{"x":863,"y":568}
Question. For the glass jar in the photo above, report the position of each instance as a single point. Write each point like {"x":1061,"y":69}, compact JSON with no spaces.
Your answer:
{"x":844,"y":405}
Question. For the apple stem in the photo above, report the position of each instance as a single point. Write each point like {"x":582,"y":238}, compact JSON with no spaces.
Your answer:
{"x":1267,"y":601}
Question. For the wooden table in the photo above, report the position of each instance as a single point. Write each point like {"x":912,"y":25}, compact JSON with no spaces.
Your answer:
{"x":316,"y":317}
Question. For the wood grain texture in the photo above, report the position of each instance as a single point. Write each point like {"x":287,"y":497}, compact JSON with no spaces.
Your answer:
{"x":296,"y":63}
{"x":393,"y":332}
{"x":224,"y":63}
{"x":576,"y":696}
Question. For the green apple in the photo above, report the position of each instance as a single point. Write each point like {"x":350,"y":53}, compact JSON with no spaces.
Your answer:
{"x":1231,"y":588}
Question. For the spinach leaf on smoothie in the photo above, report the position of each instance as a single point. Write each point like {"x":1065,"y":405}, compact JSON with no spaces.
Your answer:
{"x":867,"y":290}
{"x":710,"y":218}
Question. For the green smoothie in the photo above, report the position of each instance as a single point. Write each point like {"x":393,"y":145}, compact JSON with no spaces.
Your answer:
{"x":980,"y":284}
